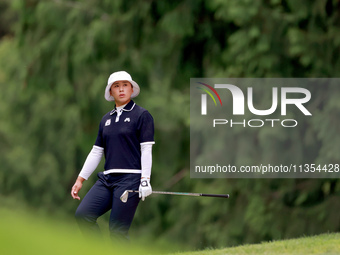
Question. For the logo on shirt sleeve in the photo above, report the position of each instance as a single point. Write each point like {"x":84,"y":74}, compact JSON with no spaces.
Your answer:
{"x":108,"y":122}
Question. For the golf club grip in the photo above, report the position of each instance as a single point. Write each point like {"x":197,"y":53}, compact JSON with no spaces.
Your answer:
{"x":215,"y":195}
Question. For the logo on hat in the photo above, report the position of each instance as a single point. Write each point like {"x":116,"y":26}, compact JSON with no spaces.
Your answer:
{"x":127,"y":120}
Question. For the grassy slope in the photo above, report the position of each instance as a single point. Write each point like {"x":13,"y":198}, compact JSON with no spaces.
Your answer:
{"x":22,"y":233}
{"x":321,"y":244}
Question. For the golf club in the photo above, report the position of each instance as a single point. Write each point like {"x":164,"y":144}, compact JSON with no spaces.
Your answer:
{"x":124,"y":197}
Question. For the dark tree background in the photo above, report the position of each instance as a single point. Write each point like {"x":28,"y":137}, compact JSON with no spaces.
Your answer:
{"x":56,"y":56}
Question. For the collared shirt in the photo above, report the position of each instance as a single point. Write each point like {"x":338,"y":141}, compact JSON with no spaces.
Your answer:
{"x":121,"y":138}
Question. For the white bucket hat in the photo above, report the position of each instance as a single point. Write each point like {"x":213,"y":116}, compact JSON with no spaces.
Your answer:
{"x":120,"y":76}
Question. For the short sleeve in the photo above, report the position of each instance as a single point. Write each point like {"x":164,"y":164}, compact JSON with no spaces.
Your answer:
{"x":99,"y":141}
{"x":146,"y":128}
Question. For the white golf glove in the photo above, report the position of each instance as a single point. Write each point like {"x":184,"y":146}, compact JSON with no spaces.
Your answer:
{"x":144,"y":188}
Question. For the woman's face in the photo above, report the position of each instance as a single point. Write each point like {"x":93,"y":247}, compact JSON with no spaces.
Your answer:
{"x":121,"y":92}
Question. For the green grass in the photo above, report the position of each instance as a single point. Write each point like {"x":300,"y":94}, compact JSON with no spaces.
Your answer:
{"x":22,"y":233}
{"x":321,"y":244}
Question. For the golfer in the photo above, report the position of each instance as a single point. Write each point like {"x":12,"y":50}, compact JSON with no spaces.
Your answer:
{"x":125,"y":138}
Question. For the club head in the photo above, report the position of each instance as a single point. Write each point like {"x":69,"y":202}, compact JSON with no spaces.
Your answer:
{"x":124,"y":197}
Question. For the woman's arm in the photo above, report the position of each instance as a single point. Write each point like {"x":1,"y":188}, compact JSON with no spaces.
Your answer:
{"x":91,"y":163}
{"x":145,"y":188}
{"x":146,"y":159}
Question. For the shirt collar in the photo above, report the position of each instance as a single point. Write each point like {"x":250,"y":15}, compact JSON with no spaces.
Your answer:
{"x":127,"y":107}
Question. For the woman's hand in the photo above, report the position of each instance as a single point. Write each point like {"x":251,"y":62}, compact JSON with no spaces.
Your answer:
{"x":76,"y":187}
{"x":144,"y":188}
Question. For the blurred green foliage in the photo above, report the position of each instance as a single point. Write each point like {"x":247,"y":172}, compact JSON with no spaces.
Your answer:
{"x":45,"y":235}
{"x":56,"y":56}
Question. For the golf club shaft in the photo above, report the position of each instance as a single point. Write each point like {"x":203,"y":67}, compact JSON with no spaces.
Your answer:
{"x":187,"y":194}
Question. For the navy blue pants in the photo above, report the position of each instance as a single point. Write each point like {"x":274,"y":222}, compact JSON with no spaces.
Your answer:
{"x":104,"y":196}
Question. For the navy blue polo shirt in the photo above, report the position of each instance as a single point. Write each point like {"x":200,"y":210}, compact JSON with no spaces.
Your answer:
{"x":121,"y":140}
